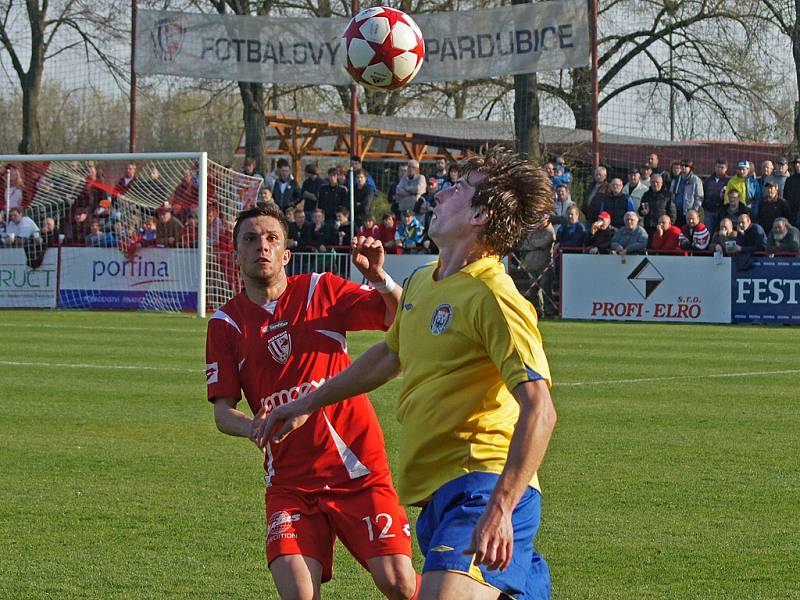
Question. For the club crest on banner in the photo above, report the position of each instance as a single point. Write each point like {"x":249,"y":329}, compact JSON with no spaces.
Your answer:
{"x":280,"y":346}
{"x":441,"y":318}
{"x":167,"y":36}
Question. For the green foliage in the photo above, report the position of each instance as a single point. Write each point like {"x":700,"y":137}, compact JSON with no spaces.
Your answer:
{"x":668,"y":476}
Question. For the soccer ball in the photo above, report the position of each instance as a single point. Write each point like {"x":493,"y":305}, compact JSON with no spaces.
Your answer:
{"x":384,"y":48}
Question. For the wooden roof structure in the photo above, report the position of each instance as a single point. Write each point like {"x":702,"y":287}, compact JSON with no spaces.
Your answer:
{"x":299,"y":136}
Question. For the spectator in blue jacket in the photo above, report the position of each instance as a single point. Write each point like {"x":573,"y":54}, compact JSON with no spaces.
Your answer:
{"x":713,"y":188}
{"x":688,"y":191}
{"x":558,"y":172}
{"x":751,"y":238}
{"x":572,"y":233}
{"x":409,"y":233}
{"x":562,"y":172}
{"x":617,"y":203}
{"x":631,"y":239}
{"x":355,"y":162}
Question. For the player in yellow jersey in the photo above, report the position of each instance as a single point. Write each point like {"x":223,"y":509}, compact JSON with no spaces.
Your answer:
{"x":475,"y":405}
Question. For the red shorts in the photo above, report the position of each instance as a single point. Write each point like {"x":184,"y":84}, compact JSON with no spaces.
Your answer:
{"x":364,"y":513}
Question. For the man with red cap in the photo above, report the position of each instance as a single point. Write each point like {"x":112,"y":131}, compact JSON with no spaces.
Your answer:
{"x":601,"y":233}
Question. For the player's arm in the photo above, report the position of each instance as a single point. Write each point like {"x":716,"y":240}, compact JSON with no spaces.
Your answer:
{"x":372,"y":369}
{"x":368,"y":257}
{"x":232,"y":421}
{"x":493,"y":536}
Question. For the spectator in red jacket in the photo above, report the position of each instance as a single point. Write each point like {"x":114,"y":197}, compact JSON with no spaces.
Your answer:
{"x":386,"y":231}
{"x":185,"y":196}
{"x":369,"y":228}
{"x":666,"y":236}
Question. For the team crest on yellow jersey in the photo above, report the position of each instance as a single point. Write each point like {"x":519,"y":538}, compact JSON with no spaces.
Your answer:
{"x":441,"y":318}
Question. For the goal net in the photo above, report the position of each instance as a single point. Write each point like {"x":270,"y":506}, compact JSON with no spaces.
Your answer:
{"x":129,"y":231}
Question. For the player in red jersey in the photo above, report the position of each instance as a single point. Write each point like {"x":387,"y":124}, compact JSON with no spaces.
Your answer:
{"x":276,"y":340}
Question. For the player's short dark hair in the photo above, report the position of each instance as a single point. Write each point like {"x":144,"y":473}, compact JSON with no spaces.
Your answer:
{"x":517,"y":194}
{"x":265,"y":210}
{"x":282,"y":162}
{"x":333,"y":171}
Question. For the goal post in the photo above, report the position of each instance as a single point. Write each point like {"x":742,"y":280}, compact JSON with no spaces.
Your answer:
{"x":149,"y":231}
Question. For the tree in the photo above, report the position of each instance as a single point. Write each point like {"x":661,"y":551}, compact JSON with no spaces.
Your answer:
{"x":785,"y":17}
{"x":252,"y":93}
{"x":526,"y":111}
{"x":694,"y":48}
{"x":47,"y":30}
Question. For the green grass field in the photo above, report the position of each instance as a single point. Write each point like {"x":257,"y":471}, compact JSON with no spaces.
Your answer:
{"x":674,"y":471}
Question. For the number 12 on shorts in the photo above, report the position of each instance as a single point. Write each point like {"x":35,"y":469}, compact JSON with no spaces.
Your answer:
{"x":384,"y":533}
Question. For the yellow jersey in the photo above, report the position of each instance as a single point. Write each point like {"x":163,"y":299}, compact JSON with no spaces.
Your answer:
{"x":464,"y":342}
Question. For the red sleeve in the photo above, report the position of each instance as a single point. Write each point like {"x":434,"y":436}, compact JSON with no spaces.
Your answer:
{"x":356,"y":307}
{"x":222,"y":370}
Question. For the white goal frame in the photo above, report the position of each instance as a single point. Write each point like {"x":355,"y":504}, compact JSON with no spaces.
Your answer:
{"x":202,"y":215}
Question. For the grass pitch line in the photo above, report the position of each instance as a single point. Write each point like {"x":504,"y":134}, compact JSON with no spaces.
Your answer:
{"x":19,"y":363}
{"x":678,"y":377}
{"x":16,"y":363}
{"x":96,"y":328}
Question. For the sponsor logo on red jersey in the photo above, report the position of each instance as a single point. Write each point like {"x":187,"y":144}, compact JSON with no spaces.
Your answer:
{"x":276,"y":325}
{"x":293,"y":393}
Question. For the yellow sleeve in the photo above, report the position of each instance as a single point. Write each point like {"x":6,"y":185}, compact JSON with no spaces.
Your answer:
{"x":506,"y":324}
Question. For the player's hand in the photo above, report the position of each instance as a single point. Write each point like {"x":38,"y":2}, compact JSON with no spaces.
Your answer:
{"x":255,"y":425}
{"x":368,"y":256}
{"x":287,"y":417}
{"x":493,"y":539}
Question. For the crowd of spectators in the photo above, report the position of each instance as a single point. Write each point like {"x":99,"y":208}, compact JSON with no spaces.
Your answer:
{"x":659,"y":210}
{"x":90,"y":211}
{"x":674,"y":211}
{"x":318,"y":209}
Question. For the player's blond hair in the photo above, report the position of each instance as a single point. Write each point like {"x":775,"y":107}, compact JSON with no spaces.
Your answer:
{"x":517,"y":194}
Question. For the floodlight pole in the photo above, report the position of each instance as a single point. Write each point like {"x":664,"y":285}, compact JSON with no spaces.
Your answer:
{"x":354,"y":5}
{"x":132,"y":127}
{"x":595,"y":86}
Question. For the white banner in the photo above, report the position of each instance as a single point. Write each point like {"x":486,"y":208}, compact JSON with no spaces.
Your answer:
{"x":646,"y":288}
{"x":23,"y":287}
{"x":293,"y":51}
{"x":105,"y":278}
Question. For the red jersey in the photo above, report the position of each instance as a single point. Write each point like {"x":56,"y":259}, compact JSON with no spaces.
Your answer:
{"x":278,"y":352}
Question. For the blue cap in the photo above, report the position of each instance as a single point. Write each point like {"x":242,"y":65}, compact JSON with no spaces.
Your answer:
{"x":743,"y":164}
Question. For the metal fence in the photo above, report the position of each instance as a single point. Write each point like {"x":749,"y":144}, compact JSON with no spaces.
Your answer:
{"x":318,"y":262}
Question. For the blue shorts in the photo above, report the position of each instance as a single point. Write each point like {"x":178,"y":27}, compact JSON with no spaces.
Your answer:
{"x":444,"y":531}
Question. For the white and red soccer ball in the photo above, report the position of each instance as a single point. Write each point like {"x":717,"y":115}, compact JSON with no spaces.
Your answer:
{"x":384,"y":48}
